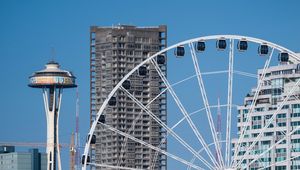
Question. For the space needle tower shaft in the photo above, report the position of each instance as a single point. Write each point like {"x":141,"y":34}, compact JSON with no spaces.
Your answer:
{"x":52,"y":81}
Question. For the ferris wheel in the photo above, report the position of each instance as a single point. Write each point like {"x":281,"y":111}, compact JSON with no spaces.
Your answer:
{"x":212,"y":81}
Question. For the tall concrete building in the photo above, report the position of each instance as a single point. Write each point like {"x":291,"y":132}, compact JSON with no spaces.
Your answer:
{"x":31,"y":160}
{"x":279,"y":80}
{"x":114,"y":51}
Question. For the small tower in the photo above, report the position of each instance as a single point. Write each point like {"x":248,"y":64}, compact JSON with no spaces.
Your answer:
{"x":52,"y":81}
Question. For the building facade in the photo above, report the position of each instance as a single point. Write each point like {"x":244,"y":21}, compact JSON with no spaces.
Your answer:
{"x":114,"y":51}
{"x":279,"y":81}
{"x":31,"y":160}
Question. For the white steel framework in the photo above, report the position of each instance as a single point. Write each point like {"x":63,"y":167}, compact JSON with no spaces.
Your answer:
{"x":226,"y":159}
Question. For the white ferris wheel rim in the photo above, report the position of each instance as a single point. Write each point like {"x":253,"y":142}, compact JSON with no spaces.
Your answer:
{"x":294,"y":58}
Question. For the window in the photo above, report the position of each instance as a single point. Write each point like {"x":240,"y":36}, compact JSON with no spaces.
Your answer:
{"x":286,"y":107}
{"x":281,"y":115}
{"x":256,"y":118}
{"x":287,"y":71}
{"x":256,"y":126}
{"x":275,"y":72}
{"x":259,"y":109}
{"x":268,"y":117}
{"x":281,"y":124}
{"x":297,"y":123}
{"x":277,"y":85}
{"x":268,"y":133}
{"x":280,"y":167}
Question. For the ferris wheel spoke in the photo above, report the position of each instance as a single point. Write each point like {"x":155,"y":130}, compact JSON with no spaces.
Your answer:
{"x":124,"y":144}
{"x":133,"y":125}
{"x":184,"y":112}
{"x":260,"y":82}
{"x":245,"y":74}
{"x":270,"y":120}
{"x":195,"y":75}
{"x":197,"y":111}
{"x":169,"y":130}
{"x":229,"y":104}
{"x":206,"y":104}
{"x":190,"y":114}
{"x":205,"y":73}
{"x":151,"y":146}
{"x":134,"y":122}
{"x":257,"y":90}
{"x":182,"y":119}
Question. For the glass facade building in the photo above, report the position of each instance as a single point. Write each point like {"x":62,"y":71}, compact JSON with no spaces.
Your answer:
{"x":31,"y":160}
{"x":282,"y":118}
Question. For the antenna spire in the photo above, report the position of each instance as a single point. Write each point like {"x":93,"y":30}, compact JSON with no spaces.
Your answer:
{"x":53,"y":54}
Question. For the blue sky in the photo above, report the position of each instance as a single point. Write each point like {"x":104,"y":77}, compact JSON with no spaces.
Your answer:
{"x":29,"y":29}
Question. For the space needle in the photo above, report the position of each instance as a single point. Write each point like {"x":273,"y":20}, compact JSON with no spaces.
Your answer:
{"x":52,"y":80}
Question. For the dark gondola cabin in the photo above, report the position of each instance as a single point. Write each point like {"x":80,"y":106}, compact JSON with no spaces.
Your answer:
{"x":112,"y":101}
{"x":221,"y":44}
{"x":200,"y":46}
{"x":102,"y":119}
{"x":142,"y":71}
{"x":126,"y":84}
{"x":179,"y":51}
{"x":83,"y":159}
{"x":298,"y":68}
{"x":283,"y":57}
{"x":93,"y":140}
{"x":242,"y":45}
{"x":263,"y":49}
{"x":160,"y":59}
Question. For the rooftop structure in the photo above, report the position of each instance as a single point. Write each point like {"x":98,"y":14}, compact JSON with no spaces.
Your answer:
{"x":52,"y":80}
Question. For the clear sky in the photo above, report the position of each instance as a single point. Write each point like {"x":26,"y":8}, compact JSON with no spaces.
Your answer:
{"x":29,"y":29}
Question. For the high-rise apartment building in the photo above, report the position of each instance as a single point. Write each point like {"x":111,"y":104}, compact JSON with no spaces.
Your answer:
{"x":279,"y":81}
{"x":114,"y":51}
{"x":31,"y":160}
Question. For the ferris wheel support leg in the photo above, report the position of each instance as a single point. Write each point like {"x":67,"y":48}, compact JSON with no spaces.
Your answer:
{"x":257,"y":90}
{"x":206,"y":105}
{"x":184,"y":112}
